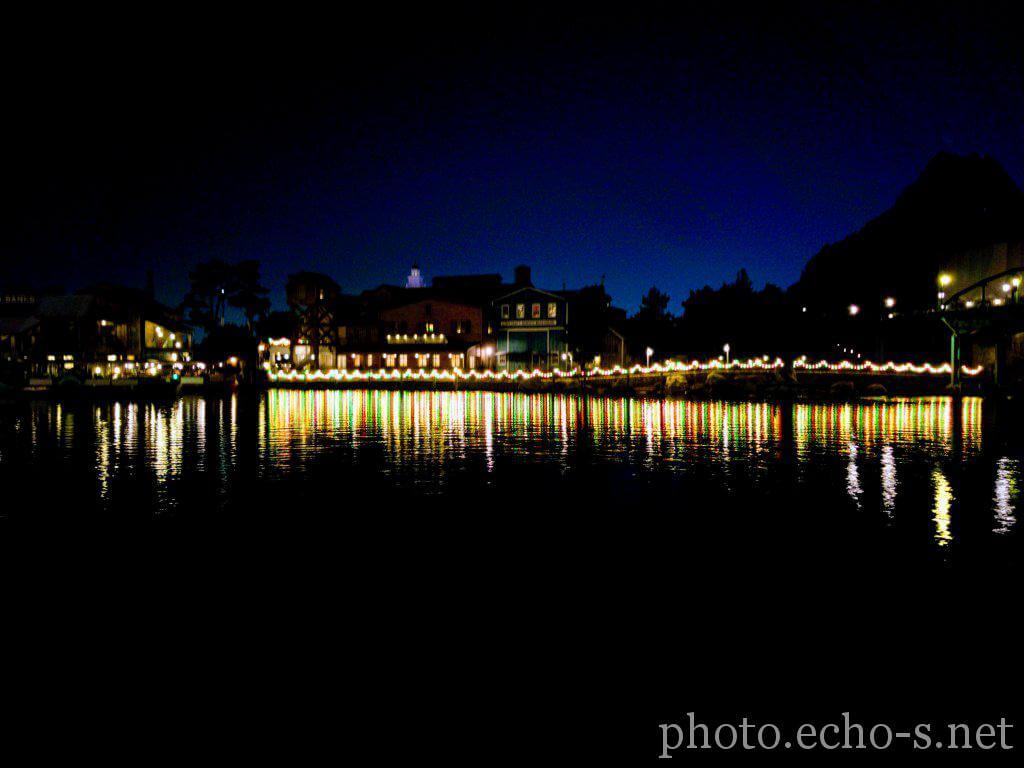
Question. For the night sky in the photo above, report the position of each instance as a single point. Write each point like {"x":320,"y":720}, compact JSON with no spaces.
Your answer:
{"x":667,"y":149}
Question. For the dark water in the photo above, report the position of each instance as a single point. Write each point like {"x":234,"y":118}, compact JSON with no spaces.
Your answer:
{"x":567,"y":572}
{"x":917,"y":474}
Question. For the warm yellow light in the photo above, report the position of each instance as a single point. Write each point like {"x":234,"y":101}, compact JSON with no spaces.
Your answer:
{"x":1016,"y":282}
{"x":890,"y":302}
{"x":945,"y":279}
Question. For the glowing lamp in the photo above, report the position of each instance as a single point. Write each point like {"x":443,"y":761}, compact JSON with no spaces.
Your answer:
{"x":945,"y":279}
{"x":890,"y":302}
{"x":853,"y":309}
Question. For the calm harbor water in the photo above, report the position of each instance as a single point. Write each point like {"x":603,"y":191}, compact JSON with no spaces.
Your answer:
{"x":918,"y":477}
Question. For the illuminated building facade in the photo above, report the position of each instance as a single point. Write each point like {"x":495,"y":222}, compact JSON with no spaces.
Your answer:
{"x":459,"y":323}
{"x":530,"y":330}
{"x":100,"y":331}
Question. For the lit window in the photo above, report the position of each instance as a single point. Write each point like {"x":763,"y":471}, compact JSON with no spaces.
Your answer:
{"x":369,"y":361}
{"x":535,"y":311}
{"x":422,"y":360}
{"x":357,"y":360}
{"x":429,"y":327}
{"x":342,"y":361}
{"x":437,"y":360}
{"x":520,"y":311}
{"x":403,"y":361}
{"x":504,"y":311}
{"x":552,"y":309}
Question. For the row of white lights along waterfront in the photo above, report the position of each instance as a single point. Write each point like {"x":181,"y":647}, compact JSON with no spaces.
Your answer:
{"x":763,"y":363}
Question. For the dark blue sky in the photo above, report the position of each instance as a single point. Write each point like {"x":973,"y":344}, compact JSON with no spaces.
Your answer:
{"x":653,"y":149}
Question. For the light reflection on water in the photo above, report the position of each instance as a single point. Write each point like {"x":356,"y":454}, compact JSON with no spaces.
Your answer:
{"x":896,"y":458}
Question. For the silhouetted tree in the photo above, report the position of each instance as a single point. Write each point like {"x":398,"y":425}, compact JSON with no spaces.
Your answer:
{"x":207,"y":296}
{"x":215,"y":285}
{"x":248,"y":294}
{"x":752,"y":322}
{"x":652,"y":326}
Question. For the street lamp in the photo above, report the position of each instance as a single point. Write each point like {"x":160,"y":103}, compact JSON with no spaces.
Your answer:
{"x":649,"y":353}
{"x":726,"y":349}
{"x":945,"y":279}
{"x":890,"y":302}
{"x":853,"y":309}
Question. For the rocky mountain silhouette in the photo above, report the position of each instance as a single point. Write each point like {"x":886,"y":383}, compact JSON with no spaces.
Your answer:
{"x":958,"y":202}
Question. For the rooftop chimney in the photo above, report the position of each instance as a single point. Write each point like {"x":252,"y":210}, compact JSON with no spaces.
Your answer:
{"x":522,"y":276}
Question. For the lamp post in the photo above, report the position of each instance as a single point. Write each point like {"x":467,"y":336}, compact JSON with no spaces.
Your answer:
{"x":726,"y":349}
{"x":945,"y":280}
{"x":649,"y":353}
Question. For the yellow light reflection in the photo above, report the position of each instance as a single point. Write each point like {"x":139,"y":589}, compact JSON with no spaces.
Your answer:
{"x":941,"y":511}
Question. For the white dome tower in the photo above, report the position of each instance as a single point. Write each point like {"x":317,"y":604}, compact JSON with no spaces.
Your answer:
{"x":415,"y":279}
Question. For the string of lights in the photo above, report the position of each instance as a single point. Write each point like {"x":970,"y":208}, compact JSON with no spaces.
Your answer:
{"x":764,"y":363}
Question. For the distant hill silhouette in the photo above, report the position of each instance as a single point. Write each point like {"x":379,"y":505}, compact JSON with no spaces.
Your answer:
{"x":958,"y":202}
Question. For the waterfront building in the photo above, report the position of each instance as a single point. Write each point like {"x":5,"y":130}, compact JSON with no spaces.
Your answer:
{"x":460,"y":322}
{"x":982,"y":286}
{"x":104,"y":330}
{"x":530,"y":327}
{"x":313,"y":298}
{"x":443,"y":326}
